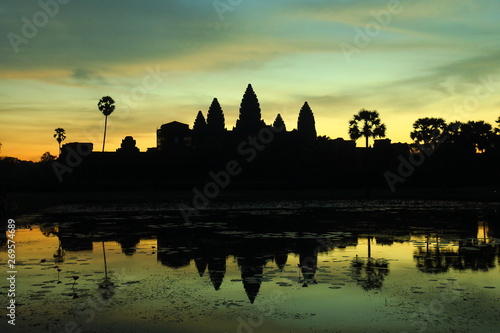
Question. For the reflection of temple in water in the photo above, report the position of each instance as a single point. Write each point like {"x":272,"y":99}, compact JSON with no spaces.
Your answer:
{"x":280,"y":258}
{"x":201,"y":265}
{"x":208,"y":249}
{"x":173,"y":251}
{"x":129,"y":243}
{"x":308,"y":262}
{"x":252,"y":270}
{"x":216,"y":271}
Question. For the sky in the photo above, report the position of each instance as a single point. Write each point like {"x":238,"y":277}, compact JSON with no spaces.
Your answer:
{"x":164,"y":60}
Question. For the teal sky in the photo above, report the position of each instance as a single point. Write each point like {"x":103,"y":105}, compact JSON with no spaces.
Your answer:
{"x":421,"y":58}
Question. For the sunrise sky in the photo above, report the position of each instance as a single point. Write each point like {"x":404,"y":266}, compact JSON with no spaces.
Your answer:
{"x":406,"y":59}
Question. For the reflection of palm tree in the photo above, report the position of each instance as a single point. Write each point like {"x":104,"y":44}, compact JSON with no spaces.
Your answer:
{"x":369,"y":239}
{"x":433,"y":260}
{"x":54,"y":232}
{"x":60,"y":253}
{"x":375,"y":270}
{"x":105,"y":261}
{"x":75,"y":295}
{"x":106,"y":286}
{"x":380,"y":263}
{"x":368,"y":276}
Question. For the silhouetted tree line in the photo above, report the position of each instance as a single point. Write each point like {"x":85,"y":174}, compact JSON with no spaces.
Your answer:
{"x":471,"y":136}
{"x":272,"y":157}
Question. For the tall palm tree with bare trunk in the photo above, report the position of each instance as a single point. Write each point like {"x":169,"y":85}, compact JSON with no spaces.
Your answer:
{"x":106,"y":106}
{"x":60,"y":136}
{"x":366,"y":123}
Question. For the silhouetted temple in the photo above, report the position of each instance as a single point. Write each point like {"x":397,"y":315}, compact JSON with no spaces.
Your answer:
{"x":212,"y":132}
{"x":263,"y":156}
{"x":128,"y":146}
{"x":172,"y":134}
{"x":250,"y":121}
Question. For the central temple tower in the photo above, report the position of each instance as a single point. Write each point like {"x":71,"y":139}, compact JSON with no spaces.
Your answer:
{"x":250,"y":121}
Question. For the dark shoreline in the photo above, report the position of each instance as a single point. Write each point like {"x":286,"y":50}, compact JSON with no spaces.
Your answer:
{"x":28,"y":202}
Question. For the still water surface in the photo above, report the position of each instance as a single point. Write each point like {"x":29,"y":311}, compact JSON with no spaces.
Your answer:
{"x":253,"y":267}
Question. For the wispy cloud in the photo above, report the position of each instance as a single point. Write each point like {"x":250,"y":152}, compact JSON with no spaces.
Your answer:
{"x":289,"y":50}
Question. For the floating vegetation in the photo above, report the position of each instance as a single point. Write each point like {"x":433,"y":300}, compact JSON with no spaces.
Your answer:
{"x":256,"y":270}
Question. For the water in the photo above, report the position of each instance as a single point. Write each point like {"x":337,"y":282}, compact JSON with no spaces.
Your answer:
{"x":254,"y":267}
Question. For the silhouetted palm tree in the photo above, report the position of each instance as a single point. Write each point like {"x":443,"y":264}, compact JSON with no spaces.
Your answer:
{"x":366,"y":123}
{"x":427,"y":130}
{"x":453,"y":131}
{"x":473,"y":135}
{"x":106,"y":106}
{"x":477,"y":134}
{"x":497,"y":130}
{"x":60,"y":136}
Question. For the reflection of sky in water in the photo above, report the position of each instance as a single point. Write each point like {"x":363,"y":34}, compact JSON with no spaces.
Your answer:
{"x":420,"y":285}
